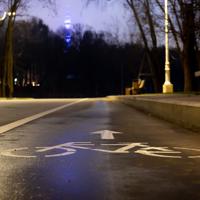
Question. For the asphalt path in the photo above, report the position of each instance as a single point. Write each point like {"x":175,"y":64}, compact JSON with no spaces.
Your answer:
{"x":94,"y":149}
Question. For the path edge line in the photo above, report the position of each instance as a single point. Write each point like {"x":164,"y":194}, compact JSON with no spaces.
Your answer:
{"x":13,"y":125}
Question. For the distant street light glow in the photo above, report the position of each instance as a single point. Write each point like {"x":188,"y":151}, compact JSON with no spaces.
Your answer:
{"x":15,"y":81}
{"x":11,"y":14}
{"x":3,"y":17}
{"x":5,"y":14}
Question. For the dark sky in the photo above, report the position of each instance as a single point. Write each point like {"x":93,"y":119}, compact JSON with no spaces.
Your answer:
{"x":112,"y":18}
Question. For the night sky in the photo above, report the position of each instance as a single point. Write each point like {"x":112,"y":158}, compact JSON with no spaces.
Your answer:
{"x":112,"y":18}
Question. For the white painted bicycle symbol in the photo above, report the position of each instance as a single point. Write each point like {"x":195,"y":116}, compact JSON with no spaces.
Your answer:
{"x":70,"y":148}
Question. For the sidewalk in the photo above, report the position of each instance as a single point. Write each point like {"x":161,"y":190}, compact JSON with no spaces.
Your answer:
{"x":182,"y":109}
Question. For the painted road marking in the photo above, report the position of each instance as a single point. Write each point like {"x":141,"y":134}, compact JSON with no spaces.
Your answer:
{"x":67,"y":151}
{"x":68,"y":144}
{"x":189,"y":149}
{"x":124,"y":147}
{"x":106,"y":134}
{"x":158,"y":152}
{"x":21,"y":122}
{"x":70,"y":148}
{"x":10,"y":153}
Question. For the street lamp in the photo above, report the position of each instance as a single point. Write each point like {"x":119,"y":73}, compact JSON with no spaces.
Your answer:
{"x":3,"y":17}
{"x":5,"y":14}
{"x":167,"y":86}
{"x":11,"y":14}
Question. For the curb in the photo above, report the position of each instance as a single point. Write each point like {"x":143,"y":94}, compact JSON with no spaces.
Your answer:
{"x":187,"y":116}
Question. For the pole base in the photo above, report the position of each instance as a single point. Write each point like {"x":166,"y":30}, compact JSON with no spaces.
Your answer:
{"x":168,"y":88}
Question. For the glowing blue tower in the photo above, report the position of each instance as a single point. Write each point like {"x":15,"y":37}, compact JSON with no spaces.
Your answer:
{"x":68,"y":26}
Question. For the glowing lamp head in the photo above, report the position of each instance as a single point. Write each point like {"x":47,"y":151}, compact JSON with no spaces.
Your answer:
{"x":68,"y":23}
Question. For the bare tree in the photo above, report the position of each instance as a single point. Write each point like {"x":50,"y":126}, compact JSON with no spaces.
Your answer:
{"x":184,"y":28}
{"x":12,"y":6}
{"x":138,"y":7}
{"x":141,"y":10}
{"x":184,"y":20}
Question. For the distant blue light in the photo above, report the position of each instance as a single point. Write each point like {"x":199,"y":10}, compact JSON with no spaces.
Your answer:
{"x":68,"y":40}
{"x":68,"y":26}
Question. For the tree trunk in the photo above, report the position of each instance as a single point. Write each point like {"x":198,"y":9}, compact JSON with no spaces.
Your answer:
{"x":189,"y":58}
{"x":7,"y":79}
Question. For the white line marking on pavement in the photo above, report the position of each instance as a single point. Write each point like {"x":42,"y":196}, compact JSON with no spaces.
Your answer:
{"x":130,"y":146}
{"x":9,"y":153}
{"x":158,"y":152}
{"x":70,"y":148}
{"x":21,"y":122}
{"x":68,"y":151}
{"x":107,"y":134}
{"x":77,"y":145}
{"x":190,"y":149}
{"x":124,"y":149}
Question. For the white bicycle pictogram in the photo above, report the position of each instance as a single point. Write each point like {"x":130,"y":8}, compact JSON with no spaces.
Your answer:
{"x":70,"y":148}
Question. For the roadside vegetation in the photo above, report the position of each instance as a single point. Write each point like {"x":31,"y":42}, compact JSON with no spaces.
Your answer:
{"x":35,"y":61}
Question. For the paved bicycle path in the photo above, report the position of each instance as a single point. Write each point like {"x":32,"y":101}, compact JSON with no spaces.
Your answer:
{"x":148,"y":158}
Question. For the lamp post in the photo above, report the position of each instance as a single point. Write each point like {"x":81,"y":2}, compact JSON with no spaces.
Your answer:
{"x":167,"y":86}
